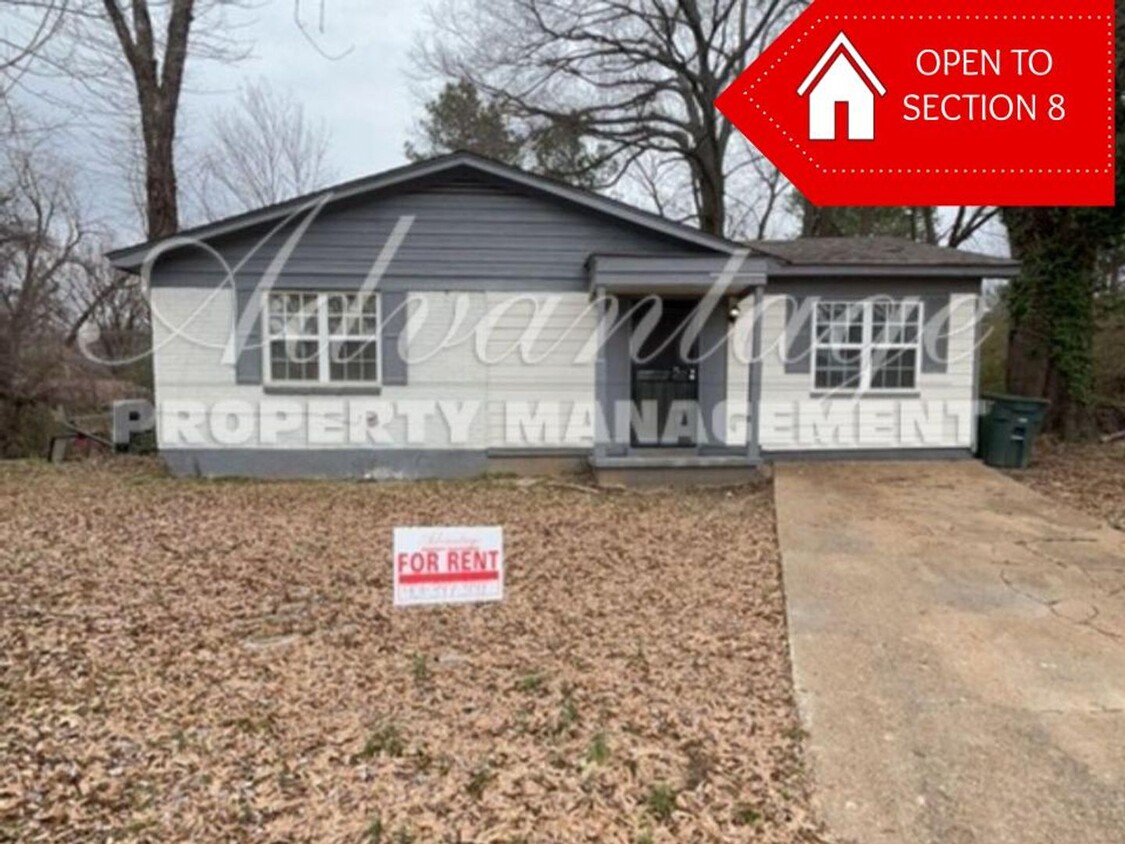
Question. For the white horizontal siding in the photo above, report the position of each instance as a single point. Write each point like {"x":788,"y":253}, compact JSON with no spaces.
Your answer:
{"x":192,"y":328}
{"x":940,"y":415}
{"x":541,"y":371}
{"x":537,"y":393}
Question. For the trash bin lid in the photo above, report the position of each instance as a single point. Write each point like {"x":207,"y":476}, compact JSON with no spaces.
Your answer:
{"x":1017,"y":403}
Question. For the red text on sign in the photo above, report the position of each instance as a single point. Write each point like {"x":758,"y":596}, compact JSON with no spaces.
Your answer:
{"x":448,"y":565}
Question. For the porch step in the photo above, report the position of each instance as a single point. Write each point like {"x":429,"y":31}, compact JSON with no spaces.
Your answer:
{"x":675,"y":470}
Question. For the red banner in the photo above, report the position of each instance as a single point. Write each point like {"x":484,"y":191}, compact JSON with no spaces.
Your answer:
{"x":946,"y":102}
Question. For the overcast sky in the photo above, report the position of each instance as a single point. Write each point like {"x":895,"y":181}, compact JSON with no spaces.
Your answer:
{"x":355,"y":78}
{"x":365,"y":95}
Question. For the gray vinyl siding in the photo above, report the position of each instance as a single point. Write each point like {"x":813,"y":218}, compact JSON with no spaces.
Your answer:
{"x":468,"y":233}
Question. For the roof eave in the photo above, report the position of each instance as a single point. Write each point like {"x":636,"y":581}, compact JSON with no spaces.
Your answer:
{"x":790,"y":270}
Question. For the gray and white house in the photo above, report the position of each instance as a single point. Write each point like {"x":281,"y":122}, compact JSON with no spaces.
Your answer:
{"x":460,"y":316}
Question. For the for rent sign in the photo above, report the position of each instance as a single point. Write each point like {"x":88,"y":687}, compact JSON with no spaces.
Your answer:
{"x":938,"y":102}
{"x":448,"y":565}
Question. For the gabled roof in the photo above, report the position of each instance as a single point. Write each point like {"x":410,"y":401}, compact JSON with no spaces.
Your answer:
{"x":842,"y":45}
{"x":880,"y":255}
{"x":130,"y":258}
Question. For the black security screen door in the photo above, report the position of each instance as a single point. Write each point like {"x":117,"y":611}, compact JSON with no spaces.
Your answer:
{"x":665,"y":388}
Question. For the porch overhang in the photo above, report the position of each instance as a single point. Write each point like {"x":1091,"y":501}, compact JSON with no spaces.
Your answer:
{"x":688,"y":275}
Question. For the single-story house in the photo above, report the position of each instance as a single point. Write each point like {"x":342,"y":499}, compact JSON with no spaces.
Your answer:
{"x":459,"y":316}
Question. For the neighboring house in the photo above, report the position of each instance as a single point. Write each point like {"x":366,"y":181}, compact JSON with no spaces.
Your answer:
{"x":841,"y":77}
{"x":459,"y":316}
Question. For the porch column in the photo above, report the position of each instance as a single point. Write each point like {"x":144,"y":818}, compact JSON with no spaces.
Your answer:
{"x":601,"y":380}
{"x":753,"y":447}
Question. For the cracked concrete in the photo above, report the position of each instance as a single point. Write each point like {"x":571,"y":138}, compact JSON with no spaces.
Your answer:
{"x":958,"y":648}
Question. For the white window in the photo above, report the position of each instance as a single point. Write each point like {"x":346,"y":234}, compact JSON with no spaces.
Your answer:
{"x":322,"y":338}
{"x":867,"y":346}
{"x":896,"y":337}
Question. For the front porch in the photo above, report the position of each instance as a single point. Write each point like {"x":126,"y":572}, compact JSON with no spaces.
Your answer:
{"x":678,"y":368}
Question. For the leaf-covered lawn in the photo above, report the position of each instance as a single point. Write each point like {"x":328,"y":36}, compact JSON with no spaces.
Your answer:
{"x":1088,"y":476}
{"x":190,"y":660}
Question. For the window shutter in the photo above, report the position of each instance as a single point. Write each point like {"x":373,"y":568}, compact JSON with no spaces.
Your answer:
{"x":798,"y":337}
{"x":248,"y":339}
{"x":935,"y":333}
{"x":394,"y":326}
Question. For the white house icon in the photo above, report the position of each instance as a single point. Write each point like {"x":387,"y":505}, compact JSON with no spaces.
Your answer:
{"x":841,"y":77}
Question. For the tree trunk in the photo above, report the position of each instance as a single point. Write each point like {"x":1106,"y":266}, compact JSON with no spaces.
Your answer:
{"x":162,"y":211}
{"x":158,"y":96}
{"x":712,"y":189}
{"x":1026,"y":370}
{"x":11,"y":429}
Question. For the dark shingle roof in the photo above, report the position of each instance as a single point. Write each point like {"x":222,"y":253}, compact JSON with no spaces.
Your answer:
{"x":873,"y":251}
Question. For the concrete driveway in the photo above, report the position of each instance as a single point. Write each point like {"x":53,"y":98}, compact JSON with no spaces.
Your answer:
{"x":958,"y":644}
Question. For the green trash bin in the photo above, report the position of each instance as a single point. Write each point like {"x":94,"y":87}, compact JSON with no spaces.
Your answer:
{"x":1008,"y":429}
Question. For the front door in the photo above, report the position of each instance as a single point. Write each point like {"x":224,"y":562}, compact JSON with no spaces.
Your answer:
{"x":665,"y":382}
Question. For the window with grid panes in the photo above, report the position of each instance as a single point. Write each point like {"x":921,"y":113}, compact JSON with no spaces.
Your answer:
{"x":866,"y":346}
{"x":322,"y":338}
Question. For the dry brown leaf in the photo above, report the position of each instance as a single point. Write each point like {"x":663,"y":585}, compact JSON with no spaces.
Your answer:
{"x":190,"y":660}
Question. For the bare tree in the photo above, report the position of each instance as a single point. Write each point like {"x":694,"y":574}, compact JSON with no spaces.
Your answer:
{"x":126,"y":62}
{"x":639,"y":75}
{"x":966,"y":222}
{"x":314,"y":35}
{"x":32,"y":25}
{"x":41,"y":234}
{"x":55,"y":287}
{"x":753,"y":206}
{"x":109,"y":320}
{"x":265,"y":150}
{"x":158,"y":74}
{"x":657,"y":179}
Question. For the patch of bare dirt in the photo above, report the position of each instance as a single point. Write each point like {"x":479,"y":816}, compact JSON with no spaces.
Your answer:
{"x":1088,"y":476}
{"x":189,"y":660}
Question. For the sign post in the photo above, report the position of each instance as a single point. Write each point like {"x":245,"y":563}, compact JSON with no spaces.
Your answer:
{"x":448,"y":565}
{"x":938,"y":102}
